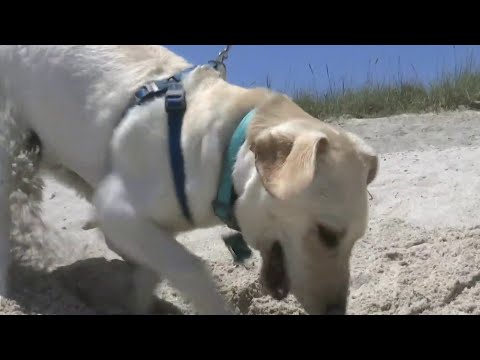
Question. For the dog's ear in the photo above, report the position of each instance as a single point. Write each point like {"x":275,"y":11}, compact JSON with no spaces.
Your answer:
{"x":367,"y":154}
{"x":286,"y":162}
{"x":273,"y":273}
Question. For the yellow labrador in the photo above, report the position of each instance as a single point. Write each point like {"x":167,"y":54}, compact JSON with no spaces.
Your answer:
{"x":153,"y":160}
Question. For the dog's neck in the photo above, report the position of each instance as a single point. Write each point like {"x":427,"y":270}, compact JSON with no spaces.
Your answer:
{"x":242,"y":107}
{"x":239,"y":105}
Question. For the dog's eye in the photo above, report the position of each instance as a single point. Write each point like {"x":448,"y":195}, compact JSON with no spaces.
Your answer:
{"x":328,"y":237}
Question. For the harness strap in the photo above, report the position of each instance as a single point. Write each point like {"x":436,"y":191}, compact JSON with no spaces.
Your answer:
{"x":226,"y":196}
{"x":175,"y":107}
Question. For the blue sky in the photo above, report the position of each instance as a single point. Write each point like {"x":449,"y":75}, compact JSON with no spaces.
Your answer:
{"x":288,"y":66}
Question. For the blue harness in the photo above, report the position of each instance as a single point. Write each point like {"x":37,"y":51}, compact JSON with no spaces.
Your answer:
{"x":175,"y":107}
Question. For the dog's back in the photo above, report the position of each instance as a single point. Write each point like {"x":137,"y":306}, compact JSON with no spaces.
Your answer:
{"x":78,"y":92}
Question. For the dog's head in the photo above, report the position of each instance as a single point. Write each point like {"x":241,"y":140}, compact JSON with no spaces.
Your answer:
{"x":306,"y":204}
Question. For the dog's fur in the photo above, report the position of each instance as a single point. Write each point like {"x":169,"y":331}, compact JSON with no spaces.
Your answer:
{"x":302,"y":183}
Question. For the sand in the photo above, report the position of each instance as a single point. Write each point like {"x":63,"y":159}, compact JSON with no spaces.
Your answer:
{"x":421,"y":254}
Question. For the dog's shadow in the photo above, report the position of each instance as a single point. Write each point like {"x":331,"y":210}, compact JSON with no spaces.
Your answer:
{"x":98,"y":285}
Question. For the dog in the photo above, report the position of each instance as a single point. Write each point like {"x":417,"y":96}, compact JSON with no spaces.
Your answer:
{"x":300,"y":184}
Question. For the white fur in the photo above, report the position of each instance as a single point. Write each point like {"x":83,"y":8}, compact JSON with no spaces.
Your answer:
{"x":74,"y":98}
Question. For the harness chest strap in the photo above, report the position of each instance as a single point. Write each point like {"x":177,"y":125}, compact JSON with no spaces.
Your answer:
{"x":175,"y":106}
{"x":226,"y":196}
{"x":223,"y":205}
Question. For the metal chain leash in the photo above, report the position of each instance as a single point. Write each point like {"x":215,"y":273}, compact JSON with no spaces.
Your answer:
{"x":223,"y":55}
{"x":220,"y":61}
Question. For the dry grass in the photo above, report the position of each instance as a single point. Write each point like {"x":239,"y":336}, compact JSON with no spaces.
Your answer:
{"x":452,"y":90}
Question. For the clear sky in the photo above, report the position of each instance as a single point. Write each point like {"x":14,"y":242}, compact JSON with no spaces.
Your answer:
{"x":291,"y":67}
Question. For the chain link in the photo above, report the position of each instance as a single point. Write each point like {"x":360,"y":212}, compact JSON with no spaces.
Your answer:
{"x":223,"y":55}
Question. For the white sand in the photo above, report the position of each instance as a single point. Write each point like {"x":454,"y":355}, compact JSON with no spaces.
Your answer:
{"x":421,"y":254}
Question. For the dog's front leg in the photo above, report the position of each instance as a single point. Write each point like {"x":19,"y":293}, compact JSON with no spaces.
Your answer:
{"x":143,"y":242}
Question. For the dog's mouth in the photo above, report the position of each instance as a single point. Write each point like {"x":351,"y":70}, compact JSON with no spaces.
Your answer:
{"x":273,"y":275}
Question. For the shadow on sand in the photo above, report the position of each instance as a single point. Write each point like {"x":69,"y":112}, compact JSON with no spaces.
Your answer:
{"x":94,"y":286}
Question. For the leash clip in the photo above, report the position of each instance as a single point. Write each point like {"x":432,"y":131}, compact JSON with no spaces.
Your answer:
{"x":175,"y":98}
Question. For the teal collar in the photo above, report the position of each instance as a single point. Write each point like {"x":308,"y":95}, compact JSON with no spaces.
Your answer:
{"x":226,"y":197}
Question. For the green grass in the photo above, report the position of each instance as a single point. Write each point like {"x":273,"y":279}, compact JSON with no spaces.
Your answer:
{"x":451,"y":91}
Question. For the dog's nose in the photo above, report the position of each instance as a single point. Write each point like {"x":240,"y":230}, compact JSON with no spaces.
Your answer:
{"x":339,"y":308}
